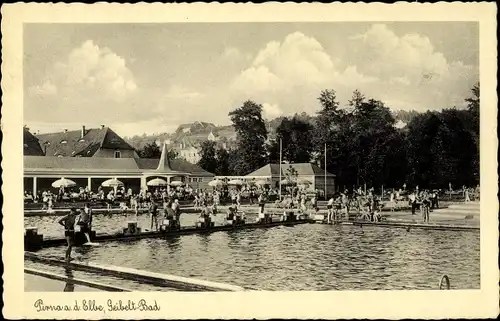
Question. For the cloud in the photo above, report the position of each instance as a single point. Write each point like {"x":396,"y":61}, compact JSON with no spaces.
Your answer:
{"x":406,"y":70}
{"x":45,"y":89}
{"x":287,"y":72}
{"x":91,"y":69}
{"x":233,"y":53}
{"x":89,"y":81}
{"x":271,"y":111}
{"x":410,"y":70}
{"x":177,"y":92}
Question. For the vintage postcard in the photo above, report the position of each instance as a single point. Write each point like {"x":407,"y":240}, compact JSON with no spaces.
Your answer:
{"x":249,"y":161}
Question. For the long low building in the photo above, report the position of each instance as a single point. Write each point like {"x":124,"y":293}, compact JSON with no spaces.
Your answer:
{"x":41,"y":171}
{"x":299,"y":171}
{"x":306,"y":171}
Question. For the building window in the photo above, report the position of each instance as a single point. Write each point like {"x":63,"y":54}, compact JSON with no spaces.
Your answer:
{"x":118,"y":154}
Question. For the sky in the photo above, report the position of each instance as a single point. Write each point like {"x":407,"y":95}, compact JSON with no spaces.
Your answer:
{"x":150,"y":78}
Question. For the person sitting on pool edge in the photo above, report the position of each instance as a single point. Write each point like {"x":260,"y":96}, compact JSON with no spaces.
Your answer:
{"x":230,"y":216}
{"x":68,"y":222}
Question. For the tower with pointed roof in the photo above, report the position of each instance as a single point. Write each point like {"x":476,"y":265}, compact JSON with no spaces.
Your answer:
{"x":211,"y":137}
{"x":164,"y":164}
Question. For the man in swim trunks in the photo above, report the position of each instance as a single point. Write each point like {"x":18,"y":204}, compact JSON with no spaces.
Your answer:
{"x":154,"y":215}
{"x":69,"y":231}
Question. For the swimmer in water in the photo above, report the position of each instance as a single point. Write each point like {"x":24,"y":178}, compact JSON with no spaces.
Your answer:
{"x":68,"y":222}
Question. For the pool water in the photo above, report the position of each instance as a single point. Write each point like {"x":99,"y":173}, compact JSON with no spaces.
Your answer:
{"x":303,"y":257}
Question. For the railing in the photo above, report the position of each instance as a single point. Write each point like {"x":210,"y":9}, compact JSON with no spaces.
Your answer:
{"x":444,"y":283}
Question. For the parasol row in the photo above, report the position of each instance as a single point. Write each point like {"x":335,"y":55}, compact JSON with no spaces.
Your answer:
{"x":114,"y":182}
{"x":63,"y":182}
{"x":157,"y":182}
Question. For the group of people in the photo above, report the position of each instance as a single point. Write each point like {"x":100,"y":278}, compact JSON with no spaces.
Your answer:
{"x":425,"y":200}
{"x":171,"y":212}
{"x":82,"y":218}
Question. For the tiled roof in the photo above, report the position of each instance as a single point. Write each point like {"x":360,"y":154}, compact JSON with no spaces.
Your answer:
{"x":31,"y":144}
{"x":301,"y":168}
{"x":98,"y":164}
{"x":103,"y":164}
{"x":177,"y":165}
{"x":71,"y":143}
{"x":185,"y":166}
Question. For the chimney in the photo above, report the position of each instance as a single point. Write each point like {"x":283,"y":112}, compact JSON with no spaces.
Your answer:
{"x":65,"y":130}
{"x":102,"y":126}
{"x":83,"y":131}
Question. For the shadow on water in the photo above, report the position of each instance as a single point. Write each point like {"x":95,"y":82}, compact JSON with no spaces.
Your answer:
{"x":70,"y":286}
{"x":173,"y":242}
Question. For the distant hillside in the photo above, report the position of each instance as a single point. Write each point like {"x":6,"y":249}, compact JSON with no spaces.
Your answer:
{"x":187,"y":134}
{"x":196,"y":132}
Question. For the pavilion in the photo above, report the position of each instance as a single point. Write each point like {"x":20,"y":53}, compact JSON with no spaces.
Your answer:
{"x":41,"y":171}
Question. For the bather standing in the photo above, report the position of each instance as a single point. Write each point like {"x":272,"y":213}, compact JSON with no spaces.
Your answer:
{"x":68,"y":222}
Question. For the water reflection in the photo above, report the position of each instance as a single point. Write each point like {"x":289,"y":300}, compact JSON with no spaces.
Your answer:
{"x":307,"y":257}
{"x":173,"y":242}
{"x":69,"y":286}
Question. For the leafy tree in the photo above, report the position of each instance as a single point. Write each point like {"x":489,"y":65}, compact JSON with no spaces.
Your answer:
{"x":236,"y":162}
{"x":222,"y":157}
{"x":172,"y":154}
{"x":422,"y":131}
{"x":296,"y":136}
{"x":208,"y":160}
{"x":273,"y":151}
{"x":150,"y":150}
{"x":473,"y":104}
{"x":328,"y":122}
{"x":442,"y":149}
{"x":251,"y":134}
{"x":374,"y":138}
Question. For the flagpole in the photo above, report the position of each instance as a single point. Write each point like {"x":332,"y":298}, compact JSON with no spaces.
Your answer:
{"x":325,"y":172}
{"x":280,"y":167}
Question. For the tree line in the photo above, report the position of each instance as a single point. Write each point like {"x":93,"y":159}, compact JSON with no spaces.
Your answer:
{"x":363,"y":145}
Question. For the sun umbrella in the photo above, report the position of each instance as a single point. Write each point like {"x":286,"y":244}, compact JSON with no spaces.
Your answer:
{"x":235,"y":182}
{"x":112,"y":183}
{"x":63,"y":182}
{"x":215,"y":183}
{"x":261,"y":182}
{"x":176,"y":183}
{"x":157,"y":182}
